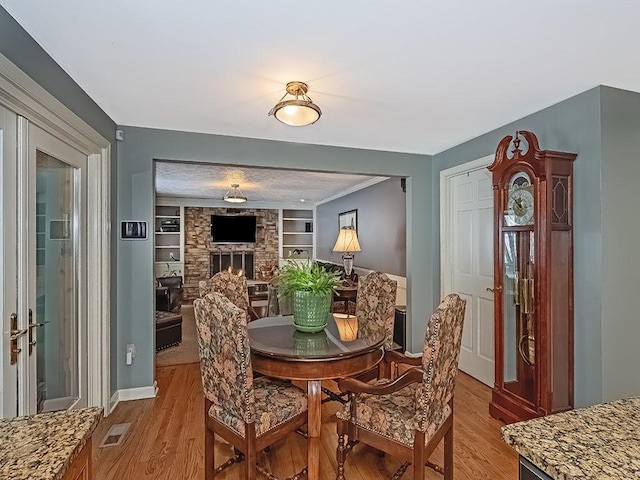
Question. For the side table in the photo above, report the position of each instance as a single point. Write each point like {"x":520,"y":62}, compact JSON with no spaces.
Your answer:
{"x":346,"y":295}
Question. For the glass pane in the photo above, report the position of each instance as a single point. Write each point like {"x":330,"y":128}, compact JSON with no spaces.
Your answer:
{"x":510,"y":289}
{"x":519,"y":314}
{"x":56,"y":288}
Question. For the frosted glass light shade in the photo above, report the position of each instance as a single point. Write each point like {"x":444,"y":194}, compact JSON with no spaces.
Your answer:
{"x":235,"y":196}
{"x":298,"y":111}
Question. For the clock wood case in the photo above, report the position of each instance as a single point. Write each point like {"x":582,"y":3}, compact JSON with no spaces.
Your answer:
{"x":533,"y":279}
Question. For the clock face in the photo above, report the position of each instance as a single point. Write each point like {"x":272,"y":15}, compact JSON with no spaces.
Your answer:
{"x":520,"y":204}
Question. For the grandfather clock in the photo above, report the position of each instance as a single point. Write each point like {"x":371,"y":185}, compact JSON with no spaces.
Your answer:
{"x":533,"y":279}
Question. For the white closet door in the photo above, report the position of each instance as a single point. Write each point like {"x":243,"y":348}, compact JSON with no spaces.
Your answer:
{"x":472,"y":225}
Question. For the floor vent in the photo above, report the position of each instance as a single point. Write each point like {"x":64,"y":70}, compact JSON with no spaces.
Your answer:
{"x":115,"y":435}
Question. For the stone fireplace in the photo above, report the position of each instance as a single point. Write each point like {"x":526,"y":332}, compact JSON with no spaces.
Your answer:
{"x":199,"y":251}
{"x":222,"y":260}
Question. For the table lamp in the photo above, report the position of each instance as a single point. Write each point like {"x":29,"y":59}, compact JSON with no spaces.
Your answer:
{"x":347,"y":243}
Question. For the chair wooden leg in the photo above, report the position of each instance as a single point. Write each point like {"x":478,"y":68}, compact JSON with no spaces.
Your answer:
{"x":209,"y":445}
{"x":419,"y":459}
{"x":250,"y":460}
{"x":448,"y":454}
{"x":341,"y":451}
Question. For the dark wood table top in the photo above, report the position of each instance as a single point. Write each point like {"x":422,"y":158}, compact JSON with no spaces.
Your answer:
{"x":278,"y":337}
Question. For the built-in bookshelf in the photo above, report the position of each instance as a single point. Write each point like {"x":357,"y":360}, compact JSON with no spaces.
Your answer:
{"x":169,"y":240}
{"x":297,"y":228}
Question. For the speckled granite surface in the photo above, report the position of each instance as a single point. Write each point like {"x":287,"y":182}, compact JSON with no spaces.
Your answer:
{"x":596,"y":443}
{"x":43,"y":446}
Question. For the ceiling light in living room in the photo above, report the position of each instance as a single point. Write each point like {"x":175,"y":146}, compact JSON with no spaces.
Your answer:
{"x":235,"y":196}
{"x":298,"y":111}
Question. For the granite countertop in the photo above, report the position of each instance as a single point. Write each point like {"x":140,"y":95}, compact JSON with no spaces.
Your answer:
{"x":596,"y":443}
{"x":43,"y":446}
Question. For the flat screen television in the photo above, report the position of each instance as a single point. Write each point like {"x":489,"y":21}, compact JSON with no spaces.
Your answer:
{"x":233,"y":228}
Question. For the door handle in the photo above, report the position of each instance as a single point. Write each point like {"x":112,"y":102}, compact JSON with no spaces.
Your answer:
{"x":37,"y":325}
{"x":31,"y":326}
{"x":489,"y":289}
{"x":14,"y":334}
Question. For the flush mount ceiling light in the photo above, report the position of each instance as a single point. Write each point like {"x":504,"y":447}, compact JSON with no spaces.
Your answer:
{"x":234,"y":196}
{"x":298,"y":111}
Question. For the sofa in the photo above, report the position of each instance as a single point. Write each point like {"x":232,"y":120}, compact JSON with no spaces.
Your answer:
{"x":335,"y":267}
{"x":169,"y":293}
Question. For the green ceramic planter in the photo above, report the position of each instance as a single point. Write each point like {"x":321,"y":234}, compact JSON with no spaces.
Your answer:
{"x":310,"y":343}
{"x":310,"y":312}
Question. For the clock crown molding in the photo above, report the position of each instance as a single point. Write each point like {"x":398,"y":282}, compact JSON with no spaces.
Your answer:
{"x":532,"y":160}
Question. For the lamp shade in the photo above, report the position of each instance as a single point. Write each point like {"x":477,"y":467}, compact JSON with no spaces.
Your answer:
{"x":297,"y":113}
{"x":235,"y":195}
{"x":347,"y":241}
{"x":299,"y":110}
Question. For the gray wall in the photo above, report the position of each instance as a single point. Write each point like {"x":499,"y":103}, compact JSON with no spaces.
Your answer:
{"x":620,"y":242}
{"x":18,"y":46}
{"x":573,"y":126}
{"x":135,"y":201}
{"x":382,"y":225}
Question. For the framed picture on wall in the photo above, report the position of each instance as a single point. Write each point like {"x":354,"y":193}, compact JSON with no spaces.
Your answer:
{"x":133,"y":230}
{"x":348,"y":219}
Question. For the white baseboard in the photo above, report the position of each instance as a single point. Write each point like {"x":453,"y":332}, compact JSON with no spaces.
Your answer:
{"x":137,"y":393}
{"x":115,"y":400}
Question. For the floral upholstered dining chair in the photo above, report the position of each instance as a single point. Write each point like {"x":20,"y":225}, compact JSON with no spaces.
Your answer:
{"x":231,"y":285}
{"x":375,"y":306}
{"x":249,"y":413}
{"x":375,"y":311}
{"x":408,"y":416}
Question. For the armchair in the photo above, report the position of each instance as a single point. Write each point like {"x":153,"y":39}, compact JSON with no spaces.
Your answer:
{"x":169,"y":293}
{"x":250,"y":413}
{"x":407,"y":416}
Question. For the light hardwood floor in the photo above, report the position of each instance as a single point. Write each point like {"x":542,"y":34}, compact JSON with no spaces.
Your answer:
{"x":165,"y":440}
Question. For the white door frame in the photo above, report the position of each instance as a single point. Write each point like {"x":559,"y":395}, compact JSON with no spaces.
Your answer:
{"x":8,"y":272}
{"x":22,"y":95}
{"x":446,"y":222}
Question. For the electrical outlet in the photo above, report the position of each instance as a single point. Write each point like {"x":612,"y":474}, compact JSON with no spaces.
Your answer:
{"x":131,"y":353}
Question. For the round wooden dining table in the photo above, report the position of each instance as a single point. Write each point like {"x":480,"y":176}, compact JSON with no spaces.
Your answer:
{"x":279,"y":350}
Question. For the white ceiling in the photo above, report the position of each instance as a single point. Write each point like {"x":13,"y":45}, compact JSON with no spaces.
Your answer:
{"x":204,"y":181}
{"x":411,"y":76}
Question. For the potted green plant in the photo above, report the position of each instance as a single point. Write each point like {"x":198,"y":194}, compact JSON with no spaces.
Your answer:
{"x":311,"y":288}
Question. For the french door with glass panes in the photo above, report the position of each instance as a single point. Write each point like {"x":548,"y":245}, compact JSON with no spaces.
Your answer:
{"x":43,"y":242}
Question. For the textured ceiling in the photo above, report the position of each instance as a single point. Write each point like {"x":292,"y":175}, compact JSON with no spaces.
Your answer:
{"x":193,"y":180}
{"x":413,"y":76}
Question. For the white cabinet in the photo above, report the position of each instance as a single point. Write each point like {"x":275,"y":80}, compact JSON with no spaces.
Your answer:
{"x":297,"y":233}
{"x":168,"y":241}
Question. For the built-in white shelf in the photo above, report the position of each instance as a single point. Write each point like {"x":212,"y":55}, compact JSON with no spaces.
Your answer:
{"x":168,"y":244}
{"x":297,"y":228}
